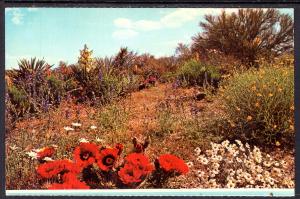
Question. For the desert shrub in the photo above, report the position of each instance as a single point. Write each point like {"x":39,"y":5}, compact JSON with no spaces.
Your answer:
{"x":17,"y":104}
{"x":103,"y":80}
{"x":260,"y":105}
{"x":246,"y":34}
{"x":167,"y":77}
{"x":57,"y":89}
{"x":196,"y":73}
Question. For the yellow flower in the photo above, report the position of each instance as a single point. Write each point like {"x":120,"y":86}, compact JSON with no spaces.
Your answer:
{"x":257,"y":104}
{"x":292,"y":108}
{"x":270,"y":94}
{"x":253,"y":88}
{"x":277,"y":143}
{"x":259,"y":94}
{"x":264,"y":86}
{"x":249,"y":118}
{"x":275,"y":126}
{"x":292,"y":127}
{"x":238,"y":109}
{"x":279,"y":89}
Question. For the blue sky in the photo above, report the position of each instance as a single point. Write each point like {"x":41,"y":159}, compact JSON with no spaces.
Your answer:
{"x":57,"y":34}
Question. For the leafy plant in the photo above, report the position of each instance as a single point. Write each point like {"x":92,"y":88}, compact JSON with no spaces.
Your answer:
{"x":196,"y":73}
{"x":260,"y":105}
{"x":246,"y":35}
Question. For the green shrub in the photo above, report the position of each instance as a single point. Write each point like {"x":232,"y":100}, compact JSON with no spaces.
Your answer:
{"x":18,"y":104}
{"x":57,"y":89}
{"x":197,"y":73}
{"x":260,"y":105}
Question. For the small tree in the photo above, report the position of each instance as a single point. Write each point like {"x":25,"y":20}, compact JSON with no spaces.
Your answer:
{"x":247,"y":34}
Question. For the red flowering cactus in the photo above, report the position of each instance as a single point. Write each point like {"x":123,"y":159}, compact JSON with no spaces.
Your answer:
{"x":107,"y":158}
{"x":45,"y":152}
{"x":136,"y":168}
{"x":85,"y":154}
{"x":112,"y":170}
{"x":171,"y":163}
{"x":70,"y":181}
{"x":52,"y":169}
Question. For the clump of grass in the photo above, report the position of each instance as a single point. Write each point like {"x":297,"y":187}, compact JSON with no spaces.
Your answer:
{"x":260,"y":105}
{"x":166,"y":119}
{"x":112,"y":118}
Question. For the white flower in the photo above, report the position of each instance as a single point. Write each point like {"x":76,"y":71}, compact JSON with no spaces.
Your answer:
{"x":32,"y":155}
{"x":202,"y":159}
{"x":197,"y":151}
{"x":67,"y":128}
{"x":200,"y":173}
{"x":83,"y":140}
{"x":13,"y":147}
{"x":225,"y":143}
{"x":230,"y":184}
{"x":93,"y":127}
{"x":47,"y":159}
{"x":247,"y":146}
{"x":76,"y":124}
{"x":190,"y":164}
{"x":98,"y":139}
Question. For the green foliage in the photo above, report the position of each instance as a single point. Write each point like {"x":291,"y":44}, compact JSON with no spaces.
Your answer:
{"x":56,"y":89}
{"x":194,"y":73}
{"x":260,"y":105}
{"x":18,"y":101}
{"x":29,"y":91}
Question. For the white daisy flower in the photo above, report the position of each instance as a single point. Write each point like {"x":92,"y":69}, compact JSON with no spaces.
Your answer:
{"x":76,"y":124}
{"x":47,"y":159}
{"x":67,"y":128}
{"x":93,"y":127}
{"x":83,"y":140}
{"x":32,"y":155}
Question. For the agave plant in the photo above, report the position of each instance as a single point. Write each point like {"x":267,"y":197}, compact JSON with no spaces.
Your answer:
{"x":29,"y":90}
{"x":29,"y":68}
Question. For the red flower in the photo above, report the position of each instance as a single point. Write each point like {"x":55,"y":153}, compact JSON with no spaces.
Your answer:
{"x":136,"y":168}
{"x":85,"y":154}
{"x":171,"y":163}
{"x":107,"y":158}
{"x":129,"y":174}
{"x":45,"y":152}
{"x":51,"y":169}
{"x":70,"y":185}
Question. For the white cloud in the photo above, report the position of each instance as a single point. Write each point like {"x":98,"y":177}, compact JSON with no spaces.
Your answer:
{"x":32,"y":9}
{"x":141,"y":25}
{"x":173,"y":19}
{"x":124,"y":34}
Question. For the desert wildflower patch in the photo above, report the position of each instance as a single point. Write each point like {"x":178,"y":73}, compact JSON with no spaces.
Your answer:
{"x":259,"y":103}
